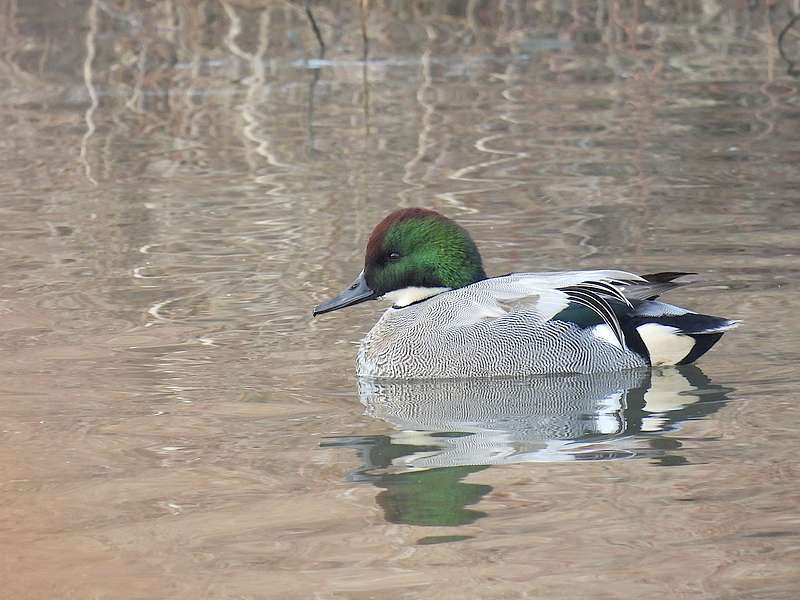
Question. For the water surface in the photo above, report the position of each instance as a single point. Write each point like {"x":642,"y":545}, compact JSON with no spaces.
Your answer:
{"x":183,"y":182}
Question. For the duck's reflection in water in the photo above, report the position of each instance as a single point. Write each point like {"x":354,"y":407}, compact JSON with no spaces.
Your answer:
{"x":448,"y":429}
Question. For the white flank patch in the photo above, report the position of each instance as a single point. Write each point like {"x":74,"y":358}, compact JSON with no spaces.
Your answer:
{"x":605,"y":333}
{"x":409,"y":295}
{"x":665,"y":345}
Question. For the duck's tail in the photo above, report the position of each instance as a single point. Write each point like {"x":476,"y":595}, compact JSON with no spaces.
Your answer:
{"x":675,"y":336}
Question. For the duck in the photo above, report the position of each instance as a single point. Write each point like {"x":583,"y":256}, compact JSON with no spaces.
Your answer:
{"x":449,"y":320}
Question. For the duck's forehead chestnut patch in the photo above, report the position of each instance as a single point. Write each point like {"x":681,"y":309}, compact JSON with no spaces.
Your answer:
{"x":376,"y":239}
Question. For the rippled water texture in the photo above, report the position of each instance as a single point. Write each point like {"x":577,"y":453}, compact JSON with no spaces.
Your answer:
{"x":182,"y":182}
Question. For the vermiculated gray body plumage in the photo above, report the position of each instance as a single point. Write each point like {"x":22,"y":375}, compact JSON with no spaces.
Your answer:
{"x":512,"y":325}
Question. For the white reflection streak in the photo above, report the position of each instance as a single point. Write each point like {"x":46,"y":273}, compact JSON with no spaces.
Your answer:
{"x":428,"y":109}
{"x":87,"y":78}
{"x":255,"y":86}
{"x":498,"y":184}
{"x":192,"y":113}
{"x":155,"y":310}
{"x":134,"y":103}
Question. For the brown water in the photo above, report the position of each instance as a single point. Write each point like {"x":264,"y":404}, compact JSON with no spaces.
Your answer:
{"x":182,"y":182}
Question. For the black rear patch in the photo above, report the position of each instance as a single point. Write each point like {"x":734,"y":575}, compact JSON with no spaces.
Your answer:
{"x":702,"y":344}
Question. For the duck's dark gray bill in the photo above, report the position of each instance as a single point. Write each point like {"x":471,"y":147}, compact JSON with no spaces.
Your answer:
{"x":359,"y":291}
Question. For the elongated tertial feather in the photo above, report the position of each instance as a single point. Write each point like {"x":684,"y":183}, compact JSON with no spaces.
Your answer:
{"x":586,"y":296}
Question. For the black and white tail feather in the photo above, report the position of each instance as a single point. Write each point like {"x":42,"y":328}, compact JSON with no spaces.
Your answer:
{"x":668,"y":334}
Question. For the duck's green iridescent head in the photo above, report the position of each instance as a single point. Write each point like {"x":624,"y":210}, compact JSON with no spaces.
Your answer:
{"x":413,"y":249}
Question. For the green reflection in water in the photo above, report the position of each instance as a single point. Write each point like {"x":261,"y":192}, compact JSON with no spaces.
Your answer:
{"x":434,"y":497}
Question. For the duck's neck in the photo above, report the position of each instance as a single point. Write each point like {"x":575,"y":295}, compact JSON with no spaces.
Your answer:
{"x":410,"y":295}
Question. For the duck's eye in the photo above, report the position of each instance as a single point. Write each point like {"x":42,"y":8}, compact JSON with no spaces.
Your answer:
{"x":394,"y":256}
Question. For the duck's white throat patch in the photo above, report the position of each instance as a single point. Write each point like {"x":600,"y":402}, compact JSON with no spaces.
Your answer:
{"x":409,"y":295}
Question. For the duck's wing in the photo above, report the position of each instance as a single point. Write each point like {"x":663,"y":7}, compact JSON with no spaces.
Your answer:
{"x":622,"y":301}
{"x":654,"y":285}
{"x":632,"y":286}
{"x":596,"y":296}
{"x":600,"y":295}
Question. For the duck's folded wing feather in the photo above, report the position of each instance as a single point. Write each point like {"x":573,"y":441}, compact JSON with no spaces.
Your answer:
{"x":653,"y":285}
{"x":559,"y":279}
{"x":544,"y":296}
{"x":621,"y":285}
